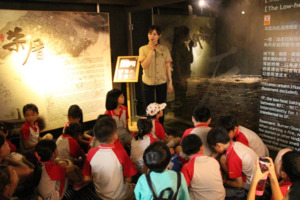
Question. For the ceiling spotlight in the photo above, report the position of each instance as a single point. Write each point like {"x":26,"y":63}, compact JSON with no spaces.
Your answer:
{"x":243,"y":12}
{"x":201,"y":3}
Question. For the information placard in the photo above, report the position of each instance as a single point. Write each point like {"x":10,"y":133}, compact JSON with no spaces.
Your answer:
{"x":279,"y":103}
{"x":127,"y":69}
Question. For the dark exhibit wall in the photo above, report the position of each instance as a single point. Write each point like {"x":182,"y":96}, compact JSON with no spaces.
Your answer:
{"x":279,"y":102}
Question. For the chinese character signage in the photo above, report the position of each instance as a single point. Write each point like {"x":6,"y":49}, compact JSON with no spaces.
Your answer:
{"x":127,"y":69}
{"x":279,"y":102}
{"x":54,"y":60}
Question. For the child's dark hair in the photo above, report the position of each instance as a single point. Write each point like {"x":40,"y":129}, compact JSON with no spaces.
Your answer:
{"x":73,"y":129}
{"x":155,"y":27}
{"x":30,"y":106}
{"x":144,"y":125}
{"x":2,"y":140}
{"x":45,"y":149}
{"x":3,"y":127}
{"x":75,"y":112}
{"x":191,"y":144}
{"x":157,"y":156}
{"x":227,"y":122}
{"x":102,"y":116}
{"x":294,"y":191}
{"x":291,"y":165}
{"x":4,"y":177}
{"x":112,"y":97}
{"x":201,"y":114}
{"x":217,"y":135}
{"x":104,"y":129}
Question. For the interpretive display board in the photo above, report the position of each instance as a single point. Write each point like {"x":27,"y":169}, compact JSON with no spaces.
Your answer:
{"x":280,"y":103}
{"x":54,"y":60}
{"x":127,"y":69}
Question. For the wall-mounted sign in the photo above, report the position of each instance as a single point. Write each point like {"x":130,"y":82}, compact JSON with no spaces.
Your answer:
{"x":127,"y":69}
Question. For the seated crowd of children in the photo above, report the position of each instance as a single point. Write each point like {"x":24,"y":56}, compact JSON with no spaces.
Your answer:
{"x":207,"y":163}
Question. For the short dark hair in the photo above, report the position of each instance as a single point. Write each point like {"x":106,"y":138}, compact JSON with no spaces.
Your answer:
{"x":73,"y":129}
{"x":291,"y":165}
{"x":217,"y":135}
{"x":4,"y":177}
{"x":157,"y":156}
{"x":45,"y":149}
{"x":227,"y":122}
{"x":3,"y":127}
{"x":155,"y":27}
{"x":191,"y":144}
{"x":2,"y":140}
{"x":294,"y":192}
{"x":30,"y":106}
{"x":201,"y":114}
{"x":104,"y":129}
{"x":144,"y":125}
{"x":75,"y":112}
{"x":112,"y":97}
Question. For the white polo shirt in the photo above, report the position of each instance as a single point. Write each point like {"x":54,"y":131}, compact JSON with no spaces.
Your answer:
{"x":137,"y":150}
{"x":53,"y":182}
{"x":68,"y":147}
{"x":201,"y":130}
{"x":252,"y":140}
{"x":241,"y":162}
{"x":108,"y":165}
{"x":203,"y":177}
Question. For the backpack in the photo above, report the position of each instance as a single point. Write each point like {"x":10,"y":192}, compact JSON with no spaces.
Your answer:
{"x":171,"y":192}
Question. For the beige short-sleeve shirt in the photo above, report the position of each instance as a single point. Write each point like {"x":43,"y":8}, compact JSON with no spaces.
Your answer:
{"x":156,"y":72}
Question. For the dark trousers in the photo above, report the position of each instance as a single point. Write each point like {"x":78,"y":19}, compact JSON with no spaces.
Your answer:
{"x":155,"y":93}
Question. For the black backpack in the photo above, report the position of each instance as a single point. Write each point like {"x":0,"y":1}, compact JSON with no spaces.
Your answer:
{"x":171,"y":192}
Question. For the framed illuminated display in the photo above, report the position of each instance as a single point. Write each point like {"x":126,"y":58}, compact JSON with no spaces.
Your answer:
{"x":127,"y":69}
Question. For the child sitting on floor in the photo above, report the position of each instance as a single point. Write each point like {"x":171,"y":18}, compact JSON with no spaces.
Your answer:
{"x":67,"y":145}
{"x":107,"y":165}
{"x":115,"y":108}
{"x":155,"y":111}
{"x":243,"y":135}
{"x":75,"y":115}
{"x":202,"y":173}
{"x":53,"y":182}
{"x":4,"y":132}
{"x":160,"y":181}
{"x":239,"y":162}
{"x":142,"y":139}
{"x":30,"y":131}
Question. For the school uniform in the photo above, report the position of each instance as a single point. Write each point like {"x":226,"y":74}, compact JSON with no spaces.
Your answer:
{"x":11,"y":146}
{"x":201,"y":130}
{"x":241,"y":162}
{"x":203,"y":178}
{"x":30,"y":133}
{"x":108,"y":165}
{"x":121,"y":120}
{"x":53,"y":183}
{"x":137,"y":150}
{"x":158,"y":131}
{"x":252,"y":140}
{"x":68,"y":147}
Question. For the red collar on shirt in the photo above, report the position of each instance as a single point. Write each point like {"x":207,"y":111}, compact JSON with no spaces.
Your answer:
{"x":107,"y":146}
{"x":228,"y":150}
{"x":201,"y":125}
{"x":34,"y":126}
{"x":286,"y":183}
{"x":121,"y":112}
{"x":66,"y":135}
{"x":237,"y":132}
{"x":196,"y":155}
